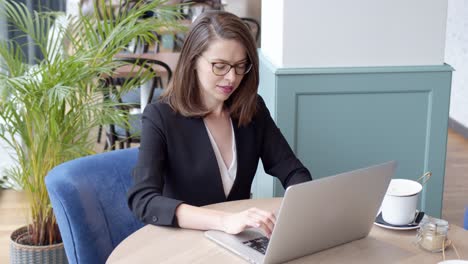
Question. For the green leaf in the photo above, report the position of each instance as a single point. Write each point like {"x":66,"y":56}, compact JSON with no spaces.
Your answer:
{"x":47,"y":110}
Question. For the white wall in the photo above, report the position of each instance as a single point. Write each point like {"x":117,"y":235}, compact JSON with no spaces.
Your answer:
{"x":6,"y":161}
{"x":272,"y":32}
{"x":456,"y":54}
{"x":336,"y":33}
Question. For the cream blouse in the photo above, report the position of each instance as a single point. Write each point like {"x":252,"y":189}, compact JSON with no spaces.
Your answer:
{"x":228,"y":175}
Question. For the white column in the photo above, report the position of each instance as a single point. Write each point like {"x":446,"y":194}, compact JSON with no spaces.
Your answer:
{"x":341,"y":33}
{"x":457,"y":56}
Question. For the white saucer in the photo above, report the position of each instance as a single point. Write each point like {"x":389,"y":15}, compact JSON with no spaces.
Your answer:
{"x":454,"y":261}
{"x":393,"y":227}
{"x":397,"y":227}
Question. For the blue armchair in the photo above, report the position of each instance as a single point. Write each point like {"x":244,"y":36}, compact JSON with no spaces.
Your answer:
{"x":88,"y":196}
{"x":465,"y":225}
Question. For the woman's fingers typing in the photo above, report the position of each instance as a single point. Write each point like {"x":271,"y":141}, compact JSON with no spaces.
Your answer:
{"x":253,"y":217}
{"x":265,"y":220}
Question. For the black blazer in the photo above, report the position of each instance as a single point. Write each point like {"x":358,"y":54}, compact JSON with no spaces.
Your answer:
{"x":177,"y":164}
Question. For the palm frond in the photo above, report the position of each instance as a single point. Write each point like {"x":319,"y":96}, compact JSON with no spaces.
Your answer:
{"x":13,"y":59}
{"x":48,"y":110}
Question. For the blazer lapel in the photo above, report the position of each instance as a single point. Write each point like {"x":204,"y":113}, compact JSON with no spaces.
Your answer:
{"x":214,"y":174}
{"x":240,"y":148}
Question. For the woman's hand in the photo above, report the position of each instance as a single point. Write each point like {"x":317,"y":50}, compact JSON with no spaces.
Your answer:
{"x":235,"y":223}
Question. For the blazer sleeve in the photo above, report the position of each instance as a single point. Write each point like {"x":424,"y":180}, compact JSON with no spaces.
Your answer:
{"x":145,"y":197}
{"x":277,"y":156}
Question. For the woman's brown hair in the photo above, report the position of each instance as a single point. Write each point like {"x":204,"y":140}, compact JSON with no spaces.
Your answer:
{"x":184,"y":95}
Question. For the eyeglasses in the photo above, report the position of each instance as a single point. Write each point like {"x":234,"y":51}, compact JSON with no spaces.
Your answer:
{"x":221,"y":68}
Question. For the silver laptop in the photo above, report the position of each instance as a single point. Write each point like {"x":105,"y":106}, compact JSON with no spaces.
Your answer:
{"x":316,"y":215}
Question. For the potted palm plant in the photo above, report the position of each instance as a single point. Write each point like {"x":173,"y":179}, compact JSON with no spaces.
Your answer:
{"x":48,"y":110}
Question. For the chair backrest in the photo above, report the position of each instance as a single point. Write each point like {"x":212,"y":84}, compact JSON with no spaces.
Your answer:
{"x":138,"y":46}
{"x":88,"y":197}
{"x":213,"y":4}
{"x":197,"y":7}
{"x":136,"y":98}
{"x":156,"y":67}
{"x":253,"y":25}
{"x":465,"y":225}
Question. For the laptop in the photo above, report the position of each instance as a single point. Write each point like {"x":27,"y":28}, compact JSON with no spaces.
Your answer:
{"x":315,"y":216}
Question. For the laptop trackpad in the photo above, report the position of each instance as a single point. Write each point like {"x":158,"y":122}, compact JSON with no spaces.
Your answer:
{"x":239,"y":243}
{"x":249,"y":234}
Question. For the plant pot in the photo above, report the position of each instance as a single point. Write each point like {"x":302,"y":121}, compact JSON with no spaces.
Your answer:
{"x":21,"y":254}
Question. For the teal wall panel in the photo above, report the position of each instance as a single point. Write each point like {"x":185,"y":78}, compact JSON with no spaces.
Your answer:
{"x":355,"y":130}
{"x":264,"y":185}
{"x":340,"y":119}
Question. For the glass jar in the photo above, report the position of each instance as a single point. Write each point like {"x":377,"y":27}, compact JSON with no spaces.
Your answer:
{"x":432,"y":234}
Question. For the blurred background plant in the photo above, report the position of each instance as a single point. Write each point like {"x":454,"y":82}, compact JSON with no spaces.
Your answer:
{"x":47,"y":110}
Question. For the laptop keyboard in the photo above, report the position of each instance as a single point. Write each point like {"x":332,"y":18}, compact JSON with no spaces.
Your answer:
{"x":260,"y":244}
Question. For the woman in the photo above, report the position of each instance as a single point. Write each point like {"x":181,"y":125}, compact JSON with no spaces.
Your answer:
{"x":202,"y":141}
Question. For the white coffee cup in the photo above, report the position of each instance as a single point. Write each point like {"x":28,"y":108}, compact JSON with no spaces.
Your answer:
{"x":401,"y":201}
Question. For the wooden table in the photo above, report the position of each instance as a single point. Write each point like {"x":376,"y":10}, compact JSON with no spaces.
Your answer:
{"x":152,"y":244}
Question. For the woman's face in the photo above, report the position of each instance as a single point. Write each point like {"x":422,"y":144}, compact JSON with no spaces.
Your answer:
{"x":216,"y":88}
